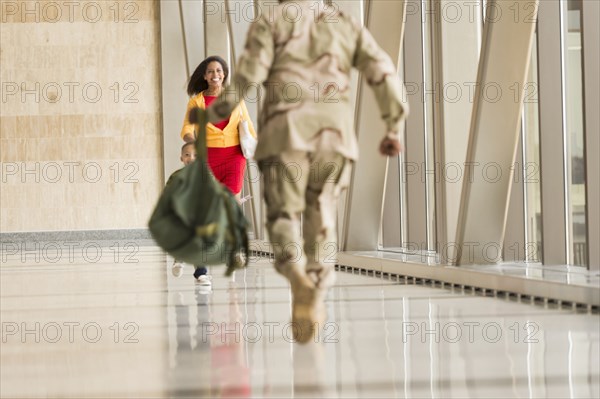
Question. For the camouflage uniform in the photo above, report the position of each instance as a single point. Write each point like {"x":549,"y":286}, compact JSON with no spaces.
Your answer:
{"x":303,"y":61}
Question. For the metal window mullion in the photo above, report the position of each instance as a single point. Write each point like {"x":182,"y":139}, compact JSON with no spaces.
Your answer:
{"x":429,"y":136}
{"x":400,"y":161}
{"x":566,"y":153}
{"x":414,"y":154}
{"x":483,"y":12}
{"x":403,"y":196}
{"x":551,"y":143}
{"x":526,"y":191}
{"x":514,"y":248}
{"x":356,"y":10}
{"x":591,"y":90}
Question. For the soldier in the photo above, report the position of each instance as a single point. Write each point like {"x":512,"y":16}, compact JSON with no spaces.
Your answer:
{"x":306,"y":140}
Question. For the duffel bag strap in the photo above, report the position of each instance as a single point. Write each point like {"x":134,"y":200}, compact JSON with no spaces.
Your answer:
{"x":199,"y":118}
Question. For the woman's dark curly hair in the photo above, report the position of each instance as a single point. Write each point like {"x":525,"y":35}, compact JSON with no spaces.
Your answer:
{"x":197,"y":84}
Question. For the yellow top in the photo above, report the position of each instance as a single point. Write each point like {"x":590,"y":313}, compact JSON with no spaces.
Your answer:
{"x":215,"y":137}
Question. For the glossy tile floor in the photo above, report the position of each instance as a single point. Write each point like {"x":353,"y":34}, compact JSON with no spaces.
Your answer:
{"x":114,"y":322}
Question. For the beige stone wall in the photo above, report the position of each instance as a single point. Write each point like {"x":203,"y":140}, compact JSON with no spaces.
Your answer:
{"x":80,"y":139}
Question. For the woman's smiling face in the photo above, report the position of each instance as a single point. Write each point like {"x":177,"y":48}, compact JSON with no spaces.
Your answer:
{"x":214,"y":75}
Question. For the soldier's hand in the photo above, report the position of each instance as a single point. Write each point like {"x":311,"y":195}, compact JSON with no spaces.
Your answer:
{"x":188,"y":138}
{"x":195,"y":115}
{"x":390,"y":145}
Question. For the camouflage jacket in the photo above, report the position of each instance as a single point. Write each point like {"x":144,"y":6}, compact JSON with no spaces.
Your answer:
{"x":301,"y":62}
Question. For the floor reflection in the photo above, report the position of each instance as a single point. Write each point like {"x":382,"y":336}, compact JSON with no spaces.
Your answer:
{"x":190,"y":374}
{"x":309,"y":371}
{"x":382,"y":339}
{"x":214,"y":337}
{"x":230,"y":371}
{"x":210,"y":355}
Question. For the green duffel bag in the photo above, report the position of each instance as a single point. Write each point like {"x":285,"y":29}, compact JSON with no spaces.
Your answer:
{"x":198,"y":220}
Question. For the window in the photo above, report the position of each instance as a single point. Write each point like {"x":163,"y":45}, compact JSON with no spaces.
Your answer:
{"x":573,"y":130}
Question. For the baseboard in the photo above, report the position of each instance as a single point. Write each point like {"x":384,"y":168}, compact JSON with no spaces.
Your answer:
{"x":76,"y":235}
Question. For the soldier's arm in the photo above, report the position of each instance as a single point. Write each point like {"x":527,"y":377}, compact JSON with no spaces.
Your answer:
{"x":382,"y":77}
{"x":251,"y":71}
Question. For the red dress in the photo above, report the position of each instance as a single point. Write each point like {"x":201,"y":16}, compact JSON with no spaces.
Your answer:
{"x":227,"y":163}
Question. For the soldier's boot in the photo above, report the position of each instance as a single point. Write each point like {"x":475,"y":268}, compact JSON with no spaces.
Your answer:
{"x":322,"y":275}
{"x":307,"y":313}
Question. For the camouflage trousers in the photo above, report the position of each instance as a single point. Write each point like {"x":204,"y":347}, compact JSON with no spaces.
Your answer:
{"x":301,"y":192}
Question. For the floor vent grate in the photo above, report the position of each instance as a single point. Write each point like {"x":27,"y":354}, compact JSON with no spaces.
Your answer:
{"x":550,"y":303}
